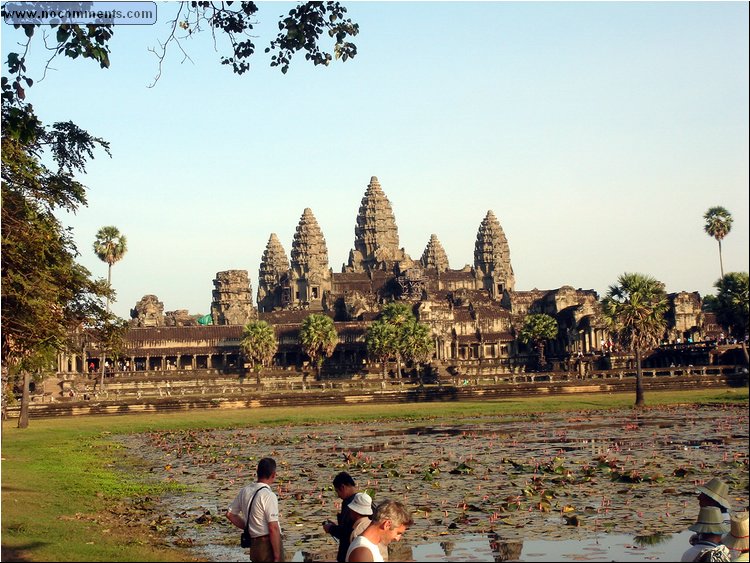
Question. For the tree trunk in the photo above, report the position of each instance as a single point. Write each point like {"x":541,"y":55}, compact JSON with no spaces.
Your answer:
{"x":23,"y":417}
{"x":744,"y":352}
{"x":398,"y":366}
{"x":639,"y":402}
{"x":385,"y":369}
{"x":540,"y":350}
{"x":721,"y":262}
{"x":109,"y":282}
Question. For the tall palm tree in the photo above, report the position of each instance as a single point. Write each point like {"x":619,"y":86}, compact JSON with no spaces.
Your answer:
{"x":110,"y":246}
{"x":398,"y":315}
{"x":538,"y":328}
{"x":318,"y":337}
{"x":635,"y":311}
{"x":417,"y":344}
{"x":718,"y":225}
{"x":259,"y":345}
{"x":380,"y":340}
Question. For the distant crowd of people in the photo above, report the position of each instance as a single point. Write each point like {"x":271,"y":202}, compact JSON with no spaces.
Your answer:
{"x":364,"y":530}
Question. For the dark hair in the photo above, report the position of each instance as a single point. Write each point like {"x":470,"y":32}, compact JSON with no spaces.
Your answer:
{"x":342,"y":479}
{"x":266,"y":467}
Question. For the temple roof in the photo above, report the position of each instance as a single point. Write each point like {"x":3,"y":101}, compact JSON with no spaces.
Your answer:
{"x":434,"y":255}
{"x":376,"y":234}
{"x":309,"y":251}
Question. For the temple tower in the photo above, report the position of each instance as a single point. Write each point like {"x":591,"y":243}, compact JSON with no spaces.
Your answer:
{"x":434,"y":255}
{"x":376,"y":234}
{"x":310,"y":275}
{"x":492,"y":258}
{"x":232,"y":298}
{"x":274,"y":266}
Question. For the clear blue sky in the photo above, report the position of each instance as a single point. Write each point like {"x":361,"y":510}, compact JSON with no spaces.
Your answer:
{"x":598,"y":133}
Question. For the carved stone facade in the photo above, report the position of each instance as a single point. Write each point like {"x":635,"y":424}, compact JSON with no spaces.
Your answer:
{"x":685,"y":316}
{"x":309,"y":276}
{"x":149,"y":311}
{"x":376,"y":234}
{"x":492,"y":258}
{"x":434,"y":255}
{"x":232,"y":298}
{"x":274,"y":267}
{"x":474,"y":313}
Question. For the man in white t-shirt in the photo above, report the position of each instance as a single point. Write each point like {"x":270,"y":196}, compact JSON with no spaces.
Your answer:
{"x":389,"y":522}
{"x":263,"y":521}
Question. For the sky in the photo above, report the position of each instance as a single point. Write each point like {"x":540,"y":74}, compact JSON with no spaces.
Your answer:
{"x":598,"y":133}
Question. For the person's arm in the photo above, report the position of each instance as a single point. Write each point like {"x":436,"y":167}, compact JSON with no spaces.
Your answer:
{"x":236,"y":519}
{"x":274,"y":533}
{"x":360,"y":554}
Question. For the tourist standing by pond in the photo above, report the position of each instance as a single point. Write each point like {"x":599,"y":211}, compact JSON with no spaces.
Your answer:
{"x":737,"y":538}
{"x":710,"y":527}
{"x":346,"y":489}
{"x":257,"y":506}
{"x":389,"y":522}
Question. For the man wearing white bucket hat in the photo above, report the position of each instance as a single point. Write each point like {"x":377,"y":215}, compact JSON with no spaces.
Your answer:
{"x":361,"y":510}
{"x":710,"y":527}
{"x":737,"y":538}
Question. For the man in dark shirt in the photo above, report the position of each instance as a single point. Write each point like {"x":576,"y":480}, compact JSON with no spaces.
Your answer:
{"x":345,"y":488}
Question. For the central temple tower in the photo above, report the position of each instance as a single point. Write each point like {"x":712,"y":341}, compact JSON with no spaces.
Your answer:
{"x":376,"y":234}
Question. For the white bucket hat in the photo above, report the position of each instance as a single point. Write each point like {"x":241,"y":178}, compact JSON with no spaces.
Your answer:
{"x":361,"y":504}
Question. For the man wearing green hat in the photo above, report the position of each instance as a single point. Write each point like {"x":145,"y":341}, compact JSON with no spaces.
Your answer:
{"x":710,"y":527}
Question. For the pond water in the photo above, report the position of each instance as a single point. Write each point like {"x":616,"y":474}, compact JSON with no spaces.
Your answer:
{"x":590,"y":485}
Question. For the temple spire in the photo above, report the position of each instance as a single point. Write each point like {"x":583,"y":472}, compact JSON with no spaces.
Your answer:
{"x":492,"y":256}
{"x":434,"y":255}
{"x":273,"y":267}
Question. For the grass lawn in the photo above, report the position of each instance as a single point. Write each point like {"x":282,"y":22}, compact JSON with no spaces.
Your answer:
{"x":67,"y":491}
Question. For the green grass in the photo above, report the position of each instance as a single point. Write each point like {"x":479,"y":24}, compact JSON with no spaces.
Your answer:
{"x":63,"y":480}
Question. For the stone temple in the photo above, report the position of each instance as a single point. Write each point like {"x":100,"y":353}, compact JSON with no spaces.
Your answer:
{"x":473,"y":313}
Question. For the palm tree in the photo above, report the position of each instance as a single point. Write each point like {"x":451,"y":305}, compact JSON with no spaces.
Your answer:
{"x":718,"y":225}
{"x":634,"y":309}
{"x":259,"y":345}
{"x":538,"y":328}
{"x":417,"y":344}
{"x":380,"y":339}
{"x":318,"y":337}
{"x":110,"y":246}
{"x":398,"y":315}
{"x":731,"y":306}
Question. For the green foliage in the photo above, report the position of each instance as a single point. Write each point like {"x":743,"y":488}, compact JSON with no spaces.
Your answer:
{"x":398,"y":334}
{"x":718,"y":224}
{"x":110,"y":245}
{"x":318,"y":338}
{"x":259,"y":343}
{"x":635,"y":311}
{"x":731,"y":303}
{"x":538,"y":328}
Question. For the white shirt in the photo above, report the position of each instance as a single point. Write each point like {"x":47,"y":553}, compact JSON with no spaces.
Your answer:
{"x":265,"y":508}
{"x":362,"y":541}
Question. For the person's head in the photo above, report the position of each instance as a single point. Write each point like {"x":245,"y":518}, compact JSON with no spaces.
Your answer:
{"x":392,"y":519}
{"x":266,"y":469}
{"x":710,"y":524}
{"x":737,"y":538}
{"x":361,"y":506}
{"x":344,"y":485}
{"x":714,"y":493}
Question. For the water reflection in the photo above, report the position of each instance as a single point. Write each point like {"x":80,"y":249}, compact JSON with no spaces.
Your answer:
{"x":652,"y":539}
{"x":505,"y":550}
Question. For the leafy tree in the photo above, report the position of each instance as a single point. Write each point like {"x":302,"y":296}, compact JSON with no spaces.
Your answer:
{"x":718,"y":225}
{"x":110,"y":246}
{"x":302,"y":30}
{"x":416,"y":344}
{"x":537,"y":329}
{"x":45,"y":292}
{"x":259,"y":344}
{"x":731,"y":305}
{"x":399,"y":316}
{"x":380,"y":338}
{"x":318,"y":337}
{"x":635,"y":309}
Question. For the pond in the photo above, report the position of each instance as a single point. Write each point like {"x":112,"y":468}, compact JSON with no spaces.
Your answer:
{"x":587,"y":485}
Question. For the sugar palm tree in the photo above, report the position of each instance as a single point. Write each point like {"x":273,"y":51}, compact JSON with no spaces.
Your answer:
{"x":718,"y":225}
{"x":259,"y":345}
{"x":416,"y":344}
{"x":398,"y":315}
{"x":380,"y":340}
{"x":110,"y":246}
{"x":538,"y":328}
{"x":318,"y":337}
{"x":635,"y":310}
